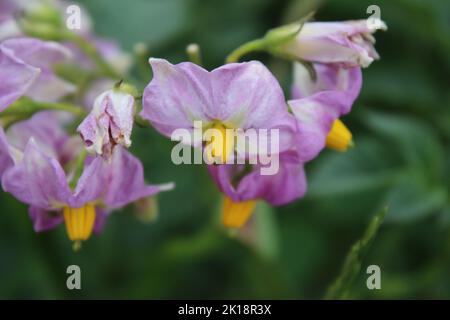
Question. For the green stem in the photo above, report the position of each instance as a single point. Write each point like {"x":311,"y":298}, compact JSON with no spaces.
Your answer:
{"x":255,"y":45}
{"x":353,"y":262}
{"x":141,"y":122}
{"x":25,"y":107}
{"x":61,"y":106}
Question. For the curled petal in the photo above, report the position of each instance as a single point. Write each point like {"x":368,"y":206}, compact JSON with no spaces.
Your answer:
{"x":38,"y":53}
{"x":321,"y":102}
{"x":47,"y":131}
{"x":288,"y":184}
{"x":37,"y":180}
{"x":44,"y":220}
{"x":115,"y":183}
{"x":16,"y":77}
{"x":38,"y":57}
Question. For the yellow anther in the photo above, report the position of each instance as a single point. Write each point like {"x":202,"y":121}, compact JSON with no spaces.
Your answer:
{"x":236,"y":214}
{"x":221,"y":143}
{"x":79,"y":222}
{"x":339,"y":138}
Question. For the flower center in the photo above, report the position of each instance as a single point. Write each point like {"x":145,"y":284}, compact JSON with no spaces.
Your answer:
{"x":221,"y":144}
{"x":339,"y":138}
{"x":236,"y":214}
{"x":79,"y":222}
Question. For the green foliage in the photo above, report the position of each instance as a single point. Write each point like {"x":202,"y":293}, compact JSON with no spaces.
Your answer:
{"x":354,"y":259}
{"x":401,"y":128}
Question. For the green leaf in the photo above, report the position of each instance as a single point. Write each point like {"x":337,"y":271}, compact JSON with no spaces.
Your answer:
{"x":368,"y":166}
{"x":267,"y":231}
{"x":410,"y":200}
{"x":354,"y":259}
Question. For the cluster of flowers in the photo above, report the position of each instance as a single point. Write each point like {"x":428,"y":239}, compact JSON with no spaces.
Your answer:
{"x":46,"y":72}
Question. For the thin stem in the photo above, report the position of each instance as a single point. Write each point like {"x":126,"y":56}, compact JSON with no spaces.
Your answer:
{"x":26,"y":107}
{"x":61,"y":106}
{"x":141,"y":122}
{"x":255,"y":45}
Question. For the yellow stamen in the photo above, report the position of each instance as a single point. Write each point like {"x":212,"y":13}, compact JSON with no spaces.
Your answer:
{"x":339,"y":138}
{"x":79,"y":222}
{"x":221,"y":144}
{"x":236,"y":214}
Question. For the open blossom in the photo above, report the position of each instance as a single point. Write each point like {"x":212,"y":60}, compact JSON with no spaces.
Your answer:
{"x":319,"y":103}
{"x":234,"y":96}
{"x":26,"y":69}
{"x":36,"y":177}
{"x":109,"y":123}
{"x":348,"y":43}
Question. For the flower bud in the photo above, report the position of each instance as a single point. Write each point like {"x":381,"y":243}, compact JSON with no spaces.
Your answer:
{"x":348,"y":43}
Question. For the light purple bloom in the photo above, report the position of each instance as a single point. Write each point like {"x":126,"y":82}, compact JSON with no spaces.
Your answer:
{"x":40,"y":181}
{"x":26,"y":69}
{"x":348,"y":43}
{"x":109,"y":123}
{"x":318,"y":103}
{"x":237,"y":95}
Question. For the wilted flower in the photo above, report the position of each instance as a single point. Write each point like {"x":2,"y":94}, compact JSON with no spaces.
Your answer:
{"x":348,"y":43}
{"x":26,"y":69}
{"x":234,"y":96}
{"x":37,"y":178}
{"x":109,"y":123}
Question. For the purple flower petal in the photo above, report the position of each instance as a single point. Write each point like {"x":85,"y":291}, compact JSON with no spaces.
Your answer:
{"x":44,"y":220}
{"x":288,"y":184}
{"x":116,"y":182}
{"x":6,"y":159}
{"x":37,"y":55}
{"x":109,"y":123}
{"x":47,"y":131}
{"x":348,"y":43}
{"x":37,"y":180}
{"x":16,"y":77}
{"x":240,"y":95}
{"x":321,"y":102}
{"x":101,"y":216}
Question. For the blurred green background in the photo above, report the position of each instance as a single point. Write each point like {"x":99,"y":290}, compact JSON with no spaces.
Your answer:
{"x":401,"y":126}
